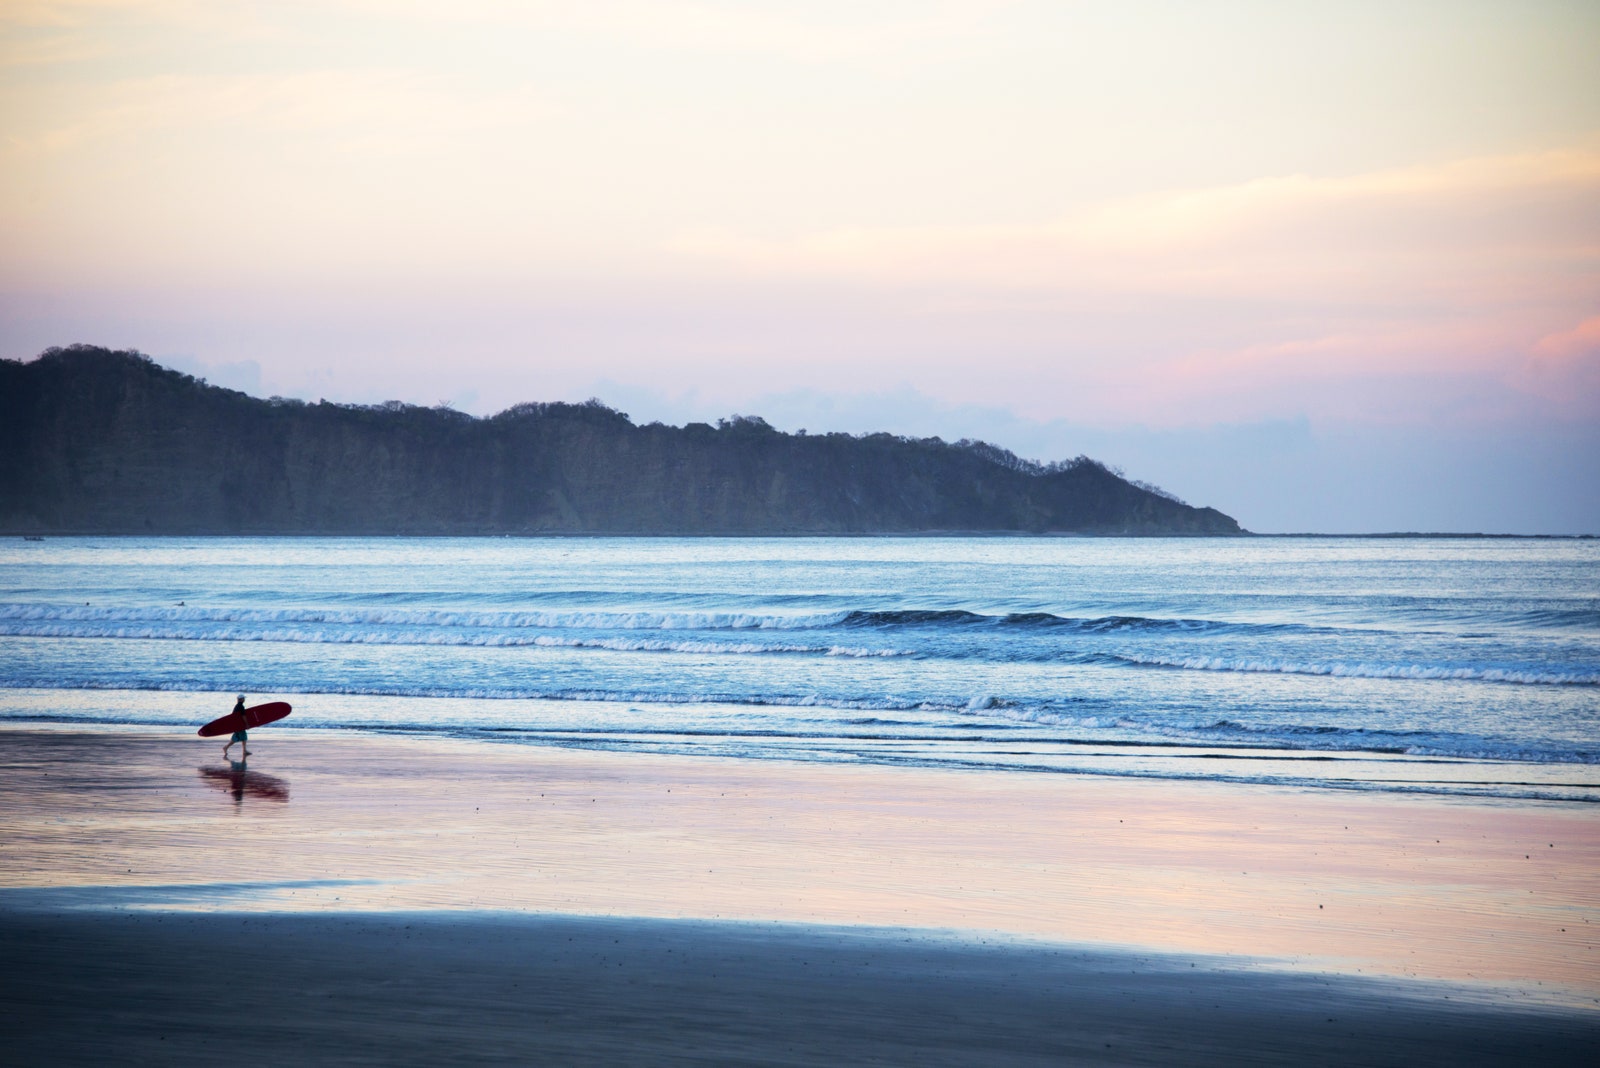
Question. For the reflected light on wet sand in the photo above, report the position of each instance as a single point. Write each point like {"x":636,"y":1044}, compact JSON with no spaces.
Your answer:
{"x":1448,"y":889}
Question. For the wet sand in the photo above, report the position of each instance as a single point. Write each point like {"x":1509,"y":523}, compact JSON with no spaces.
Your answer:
{"x":388,"y":890}
{"x":460,"y":988}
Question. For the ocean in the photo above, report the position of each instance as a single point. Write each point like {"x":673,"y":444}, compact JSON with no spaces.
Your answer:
{"x":1443,"y":666}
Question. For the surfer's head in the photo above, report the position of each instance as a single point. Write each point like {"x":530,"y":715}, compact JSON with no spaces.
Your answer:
{"x":241,"y":697}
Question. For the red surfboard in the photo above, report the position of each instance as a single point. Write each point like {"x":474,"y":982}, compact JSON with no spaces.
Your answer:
{"x":249,"y":719}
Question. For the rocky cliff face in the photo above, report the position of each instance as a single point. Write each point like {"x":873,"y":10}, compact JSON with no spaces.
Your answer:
{"x":94,"y":441}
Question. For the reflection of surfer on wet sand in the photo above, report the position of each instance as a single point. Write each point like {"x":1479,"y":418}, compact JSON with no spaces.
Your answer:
{"x":240,"y":781}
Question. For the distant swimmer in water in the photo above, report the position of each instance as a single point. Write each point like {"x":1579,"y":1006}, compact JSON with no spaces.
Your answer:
{"x":241,"y":736}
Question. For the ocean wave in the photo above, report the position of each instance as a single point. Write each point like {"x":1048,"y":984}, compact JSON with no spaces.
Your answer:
{"x":1212,"y":731}
{"x":518,"y":693}
{"x":1070,"y":727}
{"x":1584,"y":619}
{"x":552,"y":619}
{"x":474,"y":638}
{"x":65,"y":616}
{"x":960,"y":618}
{"x":1341,"y":669}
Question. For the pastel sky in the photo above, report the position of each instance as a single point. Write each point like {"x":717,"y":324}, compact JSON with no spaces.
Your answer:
{"x":1323,"y":266}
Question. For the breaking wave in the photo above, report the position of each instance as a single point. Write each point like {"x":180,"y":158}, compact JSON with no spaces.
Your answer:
{"x":439,"y":637}
{"x":908,"y":716}
{"x":66,"y":617}
{"x":92,"y":621}
{"x":957,"y":618}
{"x":1340,"y":669}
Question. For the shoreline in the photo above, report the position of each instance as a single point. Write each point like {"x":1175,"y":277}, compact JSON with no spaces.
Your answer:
{"x":981,"y":745}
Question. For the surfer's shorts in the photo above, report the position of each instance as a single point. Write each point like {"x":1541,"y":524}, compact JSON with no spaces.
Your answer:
{"x":239,"y":736}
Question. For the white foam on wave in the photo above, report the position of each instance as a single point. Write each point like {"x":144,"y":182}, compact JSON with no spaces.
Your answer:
{"x":883,"y":703}
{"x":658,"y":645}
{"x":1206,"y":732}
{"x":1368,"y":670}
{"x":318,"y":636}
{"x":1224,"y":734}
{"x":69,"y":615}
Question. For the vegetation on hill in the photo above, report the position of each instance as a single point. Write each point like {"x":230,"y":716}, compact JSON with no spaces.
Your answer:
{"x":96,"y":441}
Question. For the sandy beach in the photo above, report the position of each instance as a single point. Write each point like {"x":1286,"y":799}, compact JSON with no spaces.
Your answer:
{"x":377,"y":899}
{"x":434,"y":988}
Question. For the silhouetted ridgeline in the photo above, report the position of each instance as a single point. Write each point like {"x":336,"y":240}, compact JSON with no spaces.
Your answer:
{"x":94,"y":441}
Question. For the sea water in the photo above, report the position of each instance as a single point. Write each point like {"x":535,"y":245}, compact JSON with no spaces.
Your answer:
{"x":1456,"y":666}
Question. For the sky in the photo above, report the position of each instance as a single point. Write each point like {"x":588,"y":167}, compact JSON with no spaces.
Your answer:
{"x":1325,"y":267}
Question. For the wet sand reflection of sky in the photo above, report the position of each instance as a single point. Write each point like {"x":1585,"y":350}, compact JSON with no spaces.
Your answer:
{"x":1392,"y":885}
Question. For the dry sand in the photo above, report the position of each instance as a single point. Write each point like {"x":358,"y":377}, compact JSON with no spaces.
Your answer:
{"x":392,"y":899}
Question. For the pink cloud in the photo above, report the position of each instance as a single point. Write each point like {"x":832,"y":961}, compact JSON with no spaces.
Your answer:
{"x":1577,"y":345}
{"x":1564,"y":368}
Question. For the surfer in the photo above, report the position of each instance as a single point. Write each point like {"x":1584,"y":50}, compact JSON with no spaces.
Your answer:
{"x":241,"y":735}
